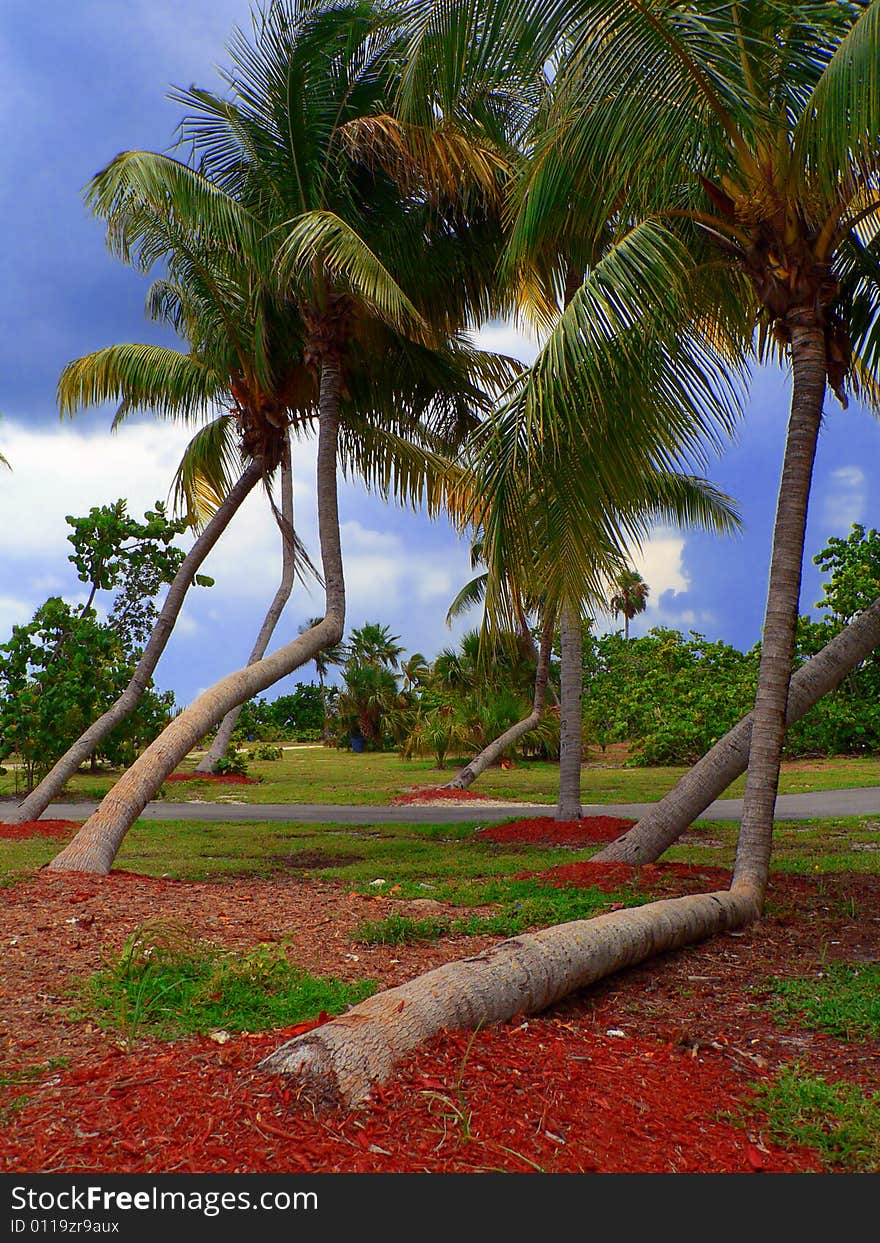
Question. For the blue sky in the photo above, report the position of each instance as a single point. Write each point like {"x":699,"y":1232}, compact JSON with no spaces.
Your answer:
{"x":84,"y":79}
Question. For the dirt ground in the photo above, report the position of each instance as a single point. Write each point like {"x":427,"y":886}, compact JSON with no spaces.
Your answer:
{"x":651,"y":1071}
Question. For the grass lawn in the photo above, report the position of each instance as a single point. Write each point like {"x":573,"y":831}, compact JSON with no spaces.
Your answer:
{"x":316,"y":774}
{"x":447,"y":861}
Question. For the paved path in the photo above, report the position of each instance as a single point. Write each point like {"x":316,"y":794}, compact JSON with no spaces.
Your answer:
{"x":820,"y":804}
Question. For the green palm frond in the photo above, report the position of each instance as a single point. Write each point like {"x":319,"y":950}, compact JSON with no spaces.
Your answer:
{"x":840,"y":122}
{"x":322,"y":236}
{"x":211,"y":463}
{"x":164,"y":188}
{"x":471,"y":595}
{"x":140,"y":377}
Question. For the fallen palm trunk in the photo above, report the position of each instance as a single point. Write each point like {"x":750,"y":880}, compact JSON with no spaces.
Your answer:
{"x":729,"y":758}
{"x":342,"y":1060}
{"x":468,"y":775}
{"x":52,"y":784}
{"x":221,"y":742}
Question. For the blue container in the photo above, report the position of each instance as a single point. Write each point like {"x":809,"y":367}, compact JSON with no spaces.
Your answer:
{"x":357,"y":743}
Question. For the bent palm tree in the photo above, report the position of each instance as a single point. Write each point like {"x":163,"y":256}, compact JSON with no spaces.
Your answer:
{"x":220,"y":745}
{"x":292,"y":180}
{"x":670,"y":57}
{"x":755,"y":129}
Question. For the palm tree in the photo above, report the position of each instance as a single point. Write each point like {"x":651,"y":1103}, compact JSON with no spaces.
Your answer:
{"x":756,"y":137}
{"x":275,"y":172}
{"x":665,"y":81}
{"x":374,"y":644}
{"x":323,"y":661}
{"x":284,"y":517}
{"x":415,"y":671}
{"x":631,"y":597}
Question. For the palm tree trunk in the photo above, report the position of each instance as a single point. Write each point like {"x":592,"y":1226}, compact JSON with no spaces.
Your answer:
{"x":571,"y":678}
{"x":468,"y":775}
{"x":728,"y":759}
{"x":343,"y":1059}
{"x":51,"y":785}
{"x":220,"y":744}
{"x":626,"y":627}
{"x":752,"y":865}
{"x":94,"y":847}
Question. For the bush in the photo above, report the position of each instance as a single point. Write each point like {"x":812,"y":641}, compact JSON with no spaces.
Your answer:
{"x":266,"y":752}
{"x":233,"y":763}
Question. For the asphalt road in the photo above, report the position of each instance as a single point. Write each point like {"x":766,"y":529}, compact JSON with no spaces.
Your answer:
{"x":820,"y":804}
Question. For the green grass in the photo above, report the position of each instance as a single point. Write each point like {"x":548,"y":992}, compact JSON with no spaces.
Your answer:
{"x":523,"y":904}
{"x":316,"y":774}
{"x":842,"y":999}
{"x":839,"y":1120}
{"x":167,"y":984}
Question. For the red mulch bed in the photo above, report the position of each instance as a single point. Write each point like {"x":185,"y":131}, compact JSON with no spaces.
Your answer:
{"x":427,"y":794}
{"x":231,"y":779}
{"x":524,"y":1096}
{"x":658,"y":877}
{"x":39,"y":828}
{"x":636,"y":1074}
{"x":550,"y":832}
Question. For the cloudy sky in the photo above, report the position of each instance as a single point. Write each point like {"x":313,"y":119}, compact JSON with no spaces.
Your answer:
{"x":84,"y":79}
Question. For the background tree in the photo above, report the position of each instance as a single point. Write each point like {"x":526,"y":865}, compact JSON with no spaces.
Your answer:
{"x":630,"y":598}
{"x":65,"y":667}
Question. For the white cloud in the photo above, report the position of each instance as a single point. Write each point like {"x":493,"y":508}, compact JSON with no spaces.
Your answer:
{"x":846,"y":501}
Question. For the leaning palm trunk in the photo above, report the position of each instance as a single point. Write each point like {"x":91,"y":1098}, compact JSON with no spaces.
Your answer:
{"x":343,"y":1059}
{"x":84,"y":747}
{"x":570,"y":726}
{"x":94,"y":847}
{"x":468,"y":775}
{"x":220,"y":744}
{"x":808,"y":357}
{"x":729,"y":758}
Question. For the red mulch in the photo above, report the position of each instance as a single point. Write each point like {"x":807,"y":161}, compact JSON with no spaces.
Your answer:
{"x":545,"y":829}
{"x":659,"y":877}
{"x":232,"y":779}
{"x":636,"y":1074}
{"x":39,"y":828}
{"x":523,"y":1096}
{"x":427,"y":794}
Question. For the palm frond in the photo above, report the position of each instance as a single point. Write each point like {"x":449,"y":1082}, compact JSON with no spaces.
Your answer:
{"x":140,"y":377}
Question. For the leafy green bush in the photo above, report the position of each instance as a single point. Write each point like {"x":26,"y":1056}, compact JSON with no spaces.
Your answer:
{"x":233,"y":763}
{"x":266,"y":752}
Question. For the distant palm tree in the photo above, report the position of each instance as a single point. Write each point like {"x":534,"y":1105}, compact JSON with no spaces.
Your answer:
{"x":415,"y":670}
{"x":630,"y":598}
{"x":374,"y":644}
{"x":322,"y":660}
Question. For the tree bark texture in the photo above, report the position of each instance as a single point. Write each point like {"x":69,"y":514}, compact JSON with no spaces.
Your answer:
{"x":468,"y":775}
{"x":94,"y":847}
{"x":808,"y":356}
{"x":221,"y":742}
{"x":571,"y":679}
{"x":39,"y":799}
{"x":342,"y":1060}
{"x":729,"y":758}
